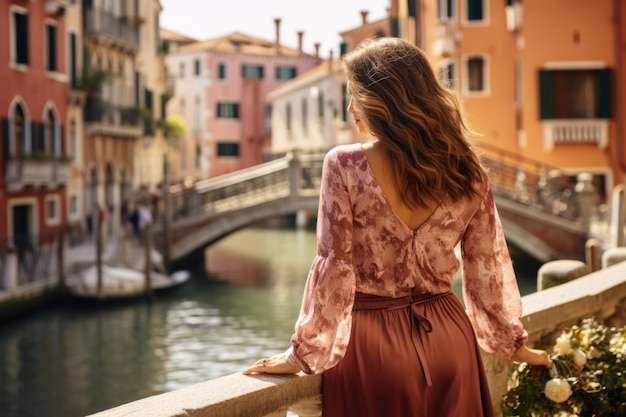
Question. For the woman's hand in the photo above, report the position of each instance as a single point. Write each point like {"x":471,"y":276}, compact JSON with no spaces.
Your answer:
{"x":533,"y":357}
{"x":274,"y":365}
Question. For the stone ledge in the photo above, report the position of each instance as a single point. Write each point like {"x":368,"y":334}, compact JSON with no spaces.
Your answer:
{"x":233,"y":395}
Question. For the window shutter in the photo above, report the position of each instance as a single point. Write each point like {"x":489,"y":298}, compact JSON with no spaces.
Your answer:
{"x":52,"y":47}
{"x":73,"y":55}
{"x":6,"y":139}
{"x":62,"y":147}
{"x":41,"y":142}
{"x":343,"y":48}
{"x":475,"y":10}
{"x":604,"y":94}
{"x":411,"y":8}
{"x":21,"y":32}
{"x":236,"y":110}
{"x":393,"y":26}
{"x":29,"y":140}
{"x":164,"y":106}
{"x":546,"y":101}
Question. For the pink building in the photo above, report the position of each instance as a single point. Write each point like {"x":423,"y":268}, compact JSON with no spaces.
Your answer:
{"x":221,"y":91}
{"x":34,"y":99}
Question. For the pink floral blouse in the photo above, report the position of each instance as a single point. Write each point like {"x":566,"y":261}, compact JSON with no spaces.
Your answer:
{"x":363,"y":246}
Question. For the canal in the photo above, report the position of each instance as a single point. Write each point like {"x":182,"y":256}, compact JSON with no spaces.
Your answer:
{"x":73,"y":359}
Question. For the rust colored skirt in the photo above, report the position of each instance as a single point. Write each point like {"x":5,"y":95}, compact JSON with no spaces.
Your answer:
{"x":413,"y":356}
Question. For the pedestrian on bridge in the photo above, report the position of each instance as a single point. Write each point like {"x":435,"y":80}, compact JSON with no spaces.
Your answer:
{"x":378,"y":317}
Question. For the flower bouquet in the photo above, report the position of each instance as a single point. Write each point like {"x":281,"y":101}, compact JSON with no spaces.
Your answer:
{"x":588,"y":378}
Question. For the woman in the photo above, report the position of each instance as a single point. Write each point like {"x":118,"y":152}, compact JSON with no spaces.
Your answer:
{"x":378,"y":317}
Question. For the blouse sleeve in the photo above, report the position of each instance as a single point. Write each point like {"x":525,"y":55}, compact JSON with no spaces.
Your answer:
{"x":323,"y":327}
{"x":490,"y":290}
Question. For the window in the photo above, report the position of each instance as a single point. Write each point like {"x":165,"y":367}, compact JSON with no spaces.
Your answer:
{"x":20,"y":38}
{"x":73,"y":205}
{"x":476,"y":74}
{"x":575,"y":94}
{"x":252,"y":71}
{"x":475,"y":10}
{"x":197,"y":67}
{"x":288,"y":117}
{"x":73,"y":58}
{"x":228,"y":110}
{"x":53,"y":215}
{"x":148,"y":120}
{"x":221,"y":71}
{"x":181,"y":70}
{"x":320,"y":108}
{"x":447,"y":75}
{"x":345,"y":99}
{"x":48,"y":139}
{"x":73,"y":139}
{"x":51,"y":47}
{"x":19,"y":132}
{"x":227,"y":149}
{"x":305,"y":116}
{"x":268,"y":118}
{"x":445,"y":9}
{"x":285,"y":73}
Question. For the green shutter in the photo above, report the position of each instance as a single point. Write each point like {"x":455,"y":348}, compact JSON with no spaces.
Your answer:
{"x":394,"y":28}
{"x":411,"y":8}
{"x":546,"y":102}
{"x":475,"y":10}
{"x":604,"y":93}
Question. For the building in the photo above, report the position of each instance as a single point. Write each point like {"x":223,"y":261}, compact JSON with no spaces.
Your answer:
{"x":310,"y":112}
{"x":221,"y":91}
{"x":34,"y":167}
{"x":124,"y":117}
{"x":537,"y":79}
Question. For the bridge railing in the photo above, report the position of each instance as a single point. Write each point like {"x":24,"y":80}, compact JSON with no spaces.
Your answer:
{"x":292,"y":174}
{"x":540,"y":186}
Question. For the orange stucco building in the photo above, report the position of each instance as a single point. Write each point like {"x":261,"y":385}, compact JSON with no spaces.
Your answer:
{"x":539,"y":79}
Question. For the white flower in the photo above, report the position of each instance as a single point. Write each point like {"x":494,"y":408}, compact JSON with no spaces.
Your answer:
{"x":558,"y":390}
{"x":594,"y":353}
{"x":579,"y":357}
{"x":563,"y":344}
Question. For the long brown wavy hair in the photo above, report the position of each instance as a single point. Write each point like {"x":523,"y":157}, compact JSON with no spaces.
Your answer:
{"x":417,"y":121}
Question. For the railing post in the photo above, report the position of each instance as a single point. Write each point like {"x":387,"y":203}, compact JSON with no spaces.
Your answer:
{"x":11,"y":271}
{"x":294,"y":174}
{"x":586,"y":192}
{"x":617,"y":216}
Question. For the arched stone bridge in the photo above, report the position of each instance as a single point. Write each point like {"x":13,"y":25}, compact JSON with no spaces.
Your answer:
{"x":542,"y":213}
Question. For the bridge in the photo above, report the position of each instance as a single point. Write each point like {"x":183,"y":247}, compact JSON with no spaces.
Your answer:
{"x":543,"y":212}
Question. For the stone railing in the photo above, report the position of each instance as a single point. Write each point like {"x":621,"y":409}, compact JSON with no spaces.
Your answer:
{"x":601,"y":294}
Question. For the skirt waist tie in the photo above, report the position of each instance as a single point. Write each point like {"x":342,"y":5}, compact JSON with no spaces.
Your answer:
{"x":374,"y":302}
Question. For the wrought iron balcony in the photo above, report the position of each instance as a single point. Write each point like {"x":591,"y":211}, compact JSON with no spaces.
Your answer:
{"x":104,"y":118}
{"x":36,"y":171}
{"x":106,"y":28}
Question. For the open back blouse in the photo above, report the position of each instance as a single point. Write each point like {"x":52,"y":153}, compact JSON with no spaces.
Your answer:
{"x":362,"y":245}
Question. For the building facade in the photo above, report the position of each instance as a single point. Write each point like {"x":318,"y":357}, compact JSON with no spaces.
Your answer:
{"x":310,"y":112}
{"x":536,"y":79}
{"x":34,"y":167}
{"x":221,"y":92}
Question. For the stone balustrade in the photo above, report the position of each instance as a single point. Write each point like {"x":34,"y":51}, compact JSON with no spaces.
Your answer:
{"x":601,"y":294}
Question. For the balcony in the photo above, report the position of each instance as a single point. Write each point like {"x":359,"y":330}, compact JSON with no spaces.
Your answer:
{"x":575,"y":131}
{"x":106,"y":119}
{"x":32,"y":171}
{"x":446,"y":38}
{"x":105,"y":28}
{"x":57,"y":7}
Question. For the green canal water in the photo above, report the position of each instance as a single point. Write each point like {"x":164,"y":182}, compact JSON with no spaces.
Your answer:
{"x":72,"y":360}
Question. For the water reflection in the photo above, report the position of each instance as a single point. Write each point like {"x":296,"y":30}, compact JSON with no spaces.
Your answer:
{"x":72,"y":360}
